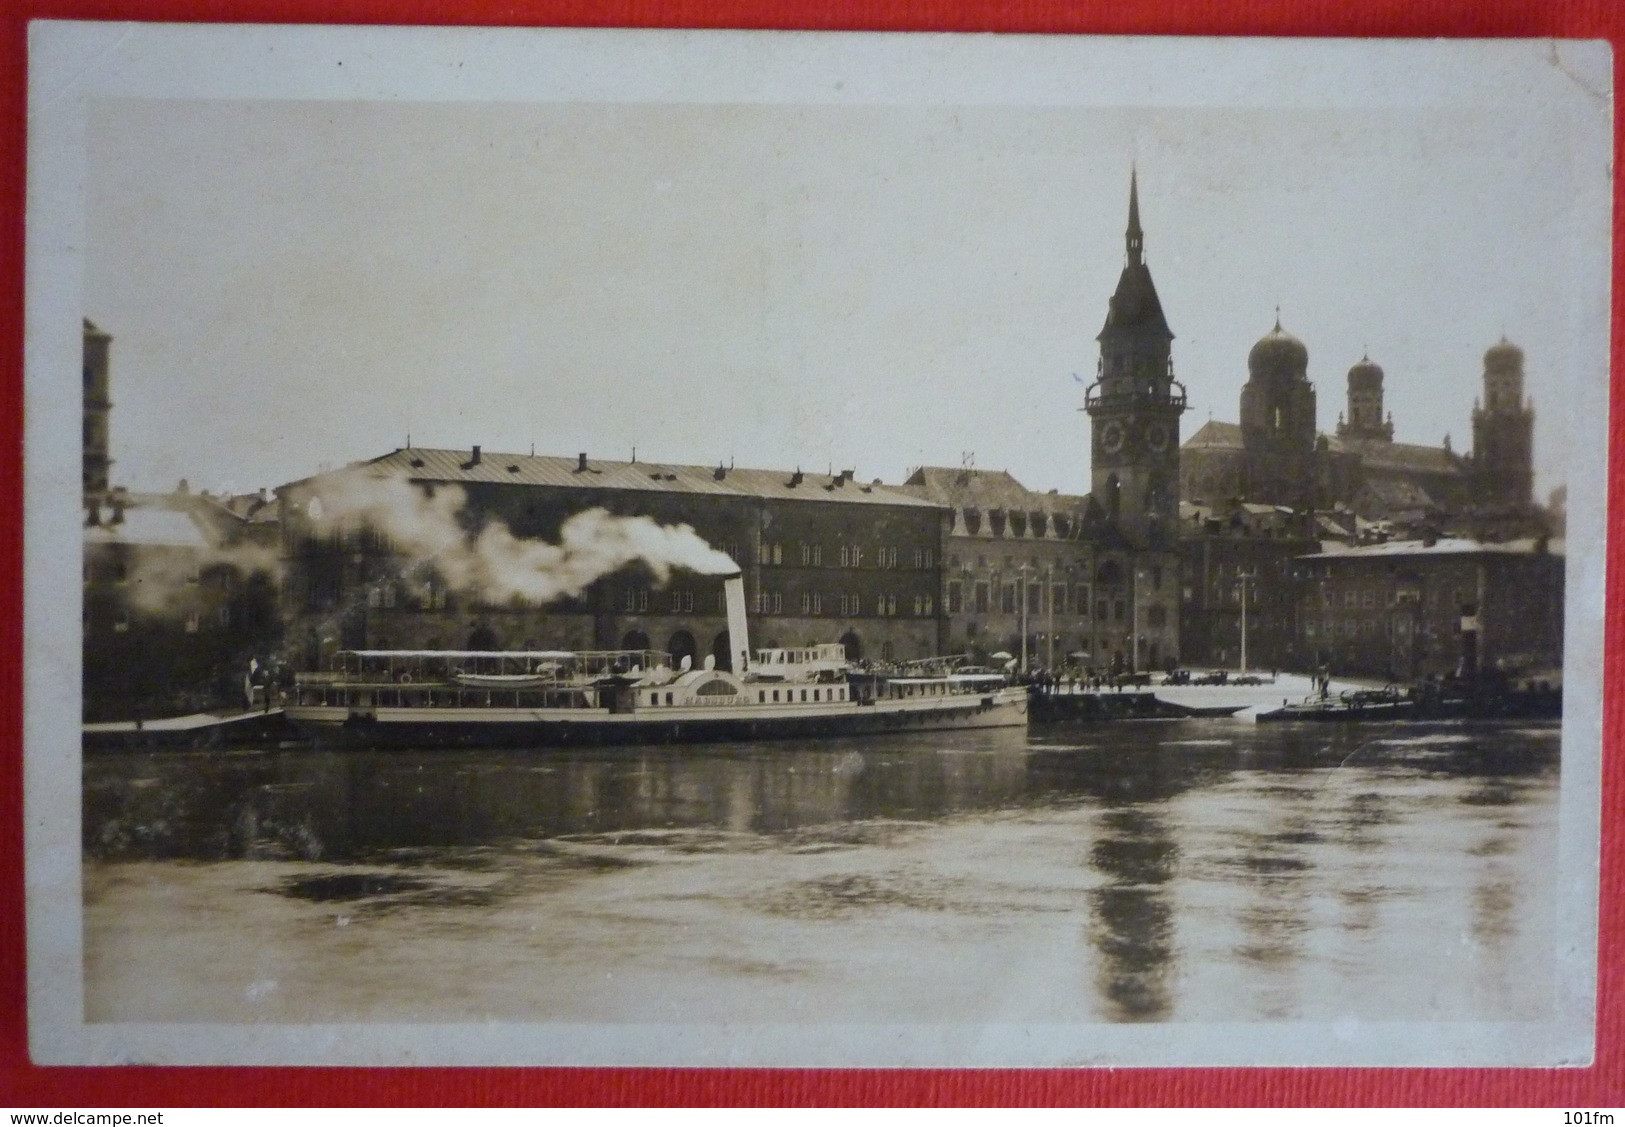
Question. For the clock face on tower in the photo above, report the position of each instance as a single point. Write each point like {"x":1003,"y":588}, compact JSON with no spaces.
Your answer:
{"x":1111,"y":437}
{"x":1156,"y":436}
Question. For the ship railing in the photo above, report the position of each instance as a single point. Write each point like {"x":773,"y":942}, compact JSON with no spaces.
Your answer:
{"x":444,"y":667}
{"x":432,"y":697}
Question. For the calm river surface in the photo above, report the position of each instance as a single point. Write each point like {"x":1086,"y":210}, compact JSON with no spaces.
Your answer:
{"x":1189,"y":871}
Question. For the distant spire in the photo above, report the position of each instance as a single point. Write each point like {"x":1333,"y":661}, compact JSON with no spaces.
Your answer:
{"x":1277,"y":318}
{"x":1134,"y":237}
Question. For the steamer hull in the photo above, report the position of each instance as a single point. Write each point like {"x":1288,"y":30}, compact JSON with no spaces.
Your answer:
{"x":1005,"y":707}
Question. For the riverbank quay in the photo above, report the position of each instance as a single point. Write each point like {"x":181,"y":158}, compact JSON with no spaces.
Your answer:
{"x":196,"y":731}
{"x":1183,"y":701}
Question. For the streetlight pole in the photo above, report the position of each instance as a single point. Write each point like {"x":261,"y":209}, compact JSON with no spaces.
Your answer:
{"x":1023,"y":617}
{"x":1242,"y":577}
{"x":1134,"y":619}
{"x":1049,"y":620}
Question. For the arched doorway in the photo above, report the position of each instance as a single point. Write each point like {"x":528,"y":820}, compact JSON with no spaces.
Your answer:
{"x":854,"y":647}
{"x":681,"y":645}
{"x":722,"y":650}
{"x":482,"y":637}
{"x":634,"y":640}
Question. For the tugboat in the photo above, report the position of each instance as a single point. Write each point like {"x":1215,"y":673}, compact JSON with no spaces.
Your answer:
{"x":546,"y":698}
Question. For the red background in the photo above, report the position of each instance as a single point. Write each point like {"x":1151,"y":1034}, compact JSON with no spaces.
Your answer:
{"x":22,"y":1084}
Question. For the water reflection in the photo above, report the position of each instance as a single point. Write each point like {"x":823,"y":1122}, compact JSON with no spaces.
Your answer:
{"x":1155,"y":872}
{"x":1132,"y":922}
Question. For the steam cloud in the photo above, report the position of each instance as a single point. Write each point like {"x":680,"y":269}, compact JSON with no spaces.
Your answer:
{"x":496,"y":565}
{"x":158,"y":581}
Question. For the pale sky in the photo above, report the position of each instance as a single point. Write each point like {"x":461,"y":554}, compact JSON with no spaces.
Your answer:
{"x":298,"y":284}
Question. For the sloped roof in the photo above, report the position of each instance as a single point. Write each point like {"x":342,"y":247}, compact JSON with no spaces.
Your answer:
{"x":458,"y":466}
{"x":1377,"y":456}
{"x":1214,"y":435}
{"x":1135,"y":307}
{"x":1398,"y":493}
{"x":988,"y":490}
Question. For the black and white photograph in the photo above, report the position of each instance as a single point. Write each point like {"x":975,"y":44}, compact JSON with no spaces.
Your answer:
{"x":813,"y":549}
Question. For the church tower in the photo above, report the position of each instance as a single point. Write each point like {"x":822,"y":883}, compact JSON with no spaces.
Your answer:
{"x":1364,"y":419}
{"x":1278,"y":422}
{"x":1135,"y":403}
{"x":1503,"y":432}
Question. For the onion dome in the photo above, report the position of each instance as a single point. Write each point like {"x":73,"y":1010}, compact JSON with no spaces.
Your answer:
{"x":1365,"y":374}
{"x":1503,"y":356}
{"x":1278,"y":350}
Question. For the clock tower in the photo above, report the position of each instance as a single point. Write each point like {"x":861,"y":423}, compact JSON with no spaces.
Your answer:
{"x":1135,"y":403}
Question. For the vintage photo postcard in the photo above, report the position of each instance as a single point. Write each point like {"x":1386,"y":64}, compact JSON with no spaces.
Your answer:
{"x":693,"y":548}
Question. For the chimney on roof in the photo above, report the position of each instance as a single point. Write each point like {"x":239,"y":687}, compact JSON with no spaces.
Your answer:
{"x":720,"y":472}
{"x":581,"y":462}
{"x":474,"y":458}
{"x":118,"y":510}
{"x":796,"y":478}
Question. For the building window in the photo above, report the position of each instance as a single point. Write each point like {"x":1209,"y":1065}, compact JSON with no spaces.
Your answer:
{"x":955,"y":597}
{"x":846,"y":556}
{"x":845,"y":609}
{"x":682,"y":602}
{"x":192,"y":622}
{"x":778,"y":553}
{"x":885,"y":651}
{"x":637,"y":599}
{"x":818,"y":603}
{"x":1057,"y":600}
{"x":1035,"y":599}
{"x":806,"y":554}
{"x":984,"y":599}
{"x":1117,"y":611}
{"x":929,"y":607}
{"x":806,"y":602}
{"x":1007,"y":599}
{"x":818,"y":555}
{"x":375,"y":597}
{"x":1083,"y":603}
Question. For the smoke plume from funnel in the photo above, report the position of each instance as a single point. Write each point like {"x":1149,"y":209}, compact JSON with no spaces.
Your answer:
{"x":494,"y":564}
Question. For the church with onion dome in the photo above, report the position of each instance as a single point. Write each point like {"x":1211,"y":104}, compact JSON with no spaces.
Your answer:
{"x":1357,"y":476}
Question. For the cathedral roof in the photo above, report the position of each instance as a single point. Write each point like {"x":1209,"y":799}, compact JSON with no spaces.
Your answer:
{"x":1377,"y":455}
{"x":1367,"y":373}
{"x":1278,"y":349}
{"x":1214,"y":435}
{"x":1503,"y":354}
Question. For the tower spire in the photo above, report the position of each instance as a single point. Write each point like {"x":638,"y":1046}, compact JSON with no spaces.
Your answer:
{"x":1134,"y":237}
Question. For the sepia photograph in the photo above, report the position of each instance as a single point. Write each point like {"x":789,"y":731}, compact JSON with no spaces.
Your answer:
{"x":813,"y":549}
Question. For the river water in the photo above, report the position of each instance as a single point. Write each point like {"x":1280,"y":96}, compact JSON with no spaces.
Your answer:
{"x":1199,"y":871}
